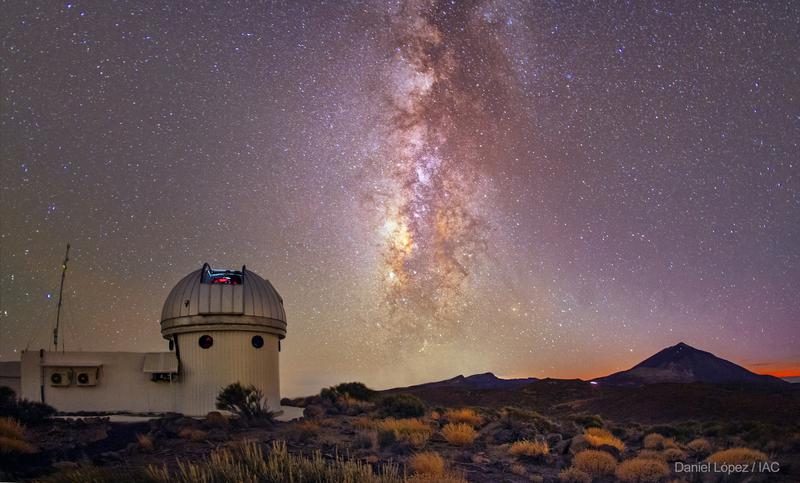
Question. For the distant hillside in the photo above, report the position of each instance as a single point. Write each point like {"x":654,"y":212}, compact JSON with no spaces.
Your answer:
{"x":683,"y":363}
{"x":486,"y":380}
{"x":792,"y":379}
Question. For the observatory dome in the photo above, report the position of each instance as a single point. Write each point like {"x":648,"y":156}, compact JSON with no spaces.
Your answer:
{"x":221,"y":299}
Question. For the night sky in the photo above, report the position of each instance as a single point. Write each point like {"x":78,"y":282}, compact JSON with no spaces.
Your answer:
{"x":435,"y":188}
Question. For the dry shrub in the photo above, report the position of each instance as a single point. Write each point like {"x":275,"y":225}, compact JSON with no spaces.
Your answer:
{"x":518,"y":469}
{"x":467,"y":416}
{"x":145,"y":442}
{"x":412,"y":430}
{"x":674,"y":454}
{"x":192,"y":434}
{"x":699,"y":446}
{"x":366,"y":440}
{"x":216,"y":419}
{"x":595,"y":463}
{"x":653,"y":441}
{"x":574,"y":475}
{"x":445,"y":478}
{"x":428,"y":463}
{"x":363,"y":422}
{"x":652,"y":454}
{"x":603,"y":437}
{"x":304,"y":430}
{"x":642,"y":470}
{"x":435,"y":416}
{"x":460,"y":434}
{"x":737,"y":456}
{"x":530,"y":449}
{"x":12,"y":438}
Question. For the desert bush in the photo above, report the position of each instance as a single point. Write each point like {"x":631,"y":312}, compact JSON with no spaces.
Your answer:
{"x":304,"y":431}
{"x":427,"y":463}
{"x":601,"y":437}
{"x":410,"y":430}
{"x":365,"y":440}
{"x":595,"y":463}
{"x":674,"y":454}
{"x":12,"y":438}
{"x":589,"y":420}
{"x":642,"y":470}
{"x":246,"y":462}
{"x":652,"y":454}
{"x":737,"y":456}
{"x":146,"y":442}
{"x":356,"y":390}
{"x":216,"y":419}
{"x":247,"y":402}
{"x":653,"y":441}
{"x":510,"y":415}
{"x":574,"y":475}
{"x":529,"y":449}
{"x":467,"y":416}
{"x":401,"y":406}
{"x":460,"y":434}
{"x":193,"y":434}
{"x":30,"y":413}
{"x":518,"y":469}
{"x":699,"y":446}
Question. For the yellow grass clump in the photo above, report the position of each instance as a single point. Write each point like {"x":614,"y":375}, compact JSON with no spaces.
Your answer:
{"x":12,"y":438}
{"x":412,"y":430}
{"x":652,"y":454}
{"x":146,"y":442}
{"x":699,"y":446}
{"x":467,"y":416}
{"x":460,"y":434}
{"x":674,"y":454}
{"x":595,"y":463}
{"x":737,"y":456}
{"x":641,"y":470}
{"x":653,"y":441}
{"x":530,"y":449}
{"x":602,"y":437}
{"x":428,"y":463}
{"x":574,"y":475}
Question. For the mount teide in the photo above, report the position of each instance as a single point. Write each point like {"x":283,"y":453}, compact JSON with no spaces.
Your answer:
{"x":683,"y":363}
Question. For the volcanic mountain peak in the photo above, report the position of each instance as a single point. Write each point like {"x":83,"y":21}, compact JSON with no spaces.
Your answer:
{"x":684,"y":363}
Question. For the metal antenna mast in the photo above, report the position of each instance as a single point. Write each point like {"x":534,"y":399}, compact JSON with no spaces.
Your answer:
{"x":60,"y":293}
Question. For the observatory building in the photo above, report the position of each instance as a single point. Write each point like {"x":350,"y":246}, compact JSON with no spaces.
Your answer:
{"x":222,"y":326}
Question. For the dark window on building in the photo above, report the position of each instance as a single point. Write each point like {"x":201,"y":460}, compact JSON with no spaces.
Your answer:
{"x":221,"y":277}
{"x":206,"y":341}
{"x":258,"y":341}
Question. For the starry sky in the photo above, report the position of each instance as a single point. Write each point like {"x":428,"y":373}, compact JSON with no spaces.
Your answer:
{"x":435,"y":188}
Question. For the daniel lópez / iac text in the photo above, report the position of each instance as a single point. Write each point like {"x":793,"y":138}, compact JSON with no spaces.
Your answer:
{"x":728,"y":468}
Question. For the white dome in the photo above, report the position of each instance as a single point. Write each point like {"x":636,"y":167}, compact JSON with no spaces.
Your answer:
{"x":213,"y":297}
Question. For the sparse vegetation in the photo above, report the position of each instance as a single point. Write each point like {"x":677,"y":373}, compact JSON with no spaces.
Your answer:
{"x":674,"y":454}
{"x":146,"y":442}
{"x":30,"y":413}
{"x":410,"y":430}
{"x":304,"y":431}
{"x":401,"y":406}
{"x":642,"y":470}
{"x":467,"y":416}
{"x":247,"y":462}
{"x":699,"y":446}
{"x":193,"y":434}
{"x":12,"y":438}
{"x":601,"y":437}
{"x":247,"y":402}
{"x":529,"y":449}
{"x":460,"y":434}
{"x":574,"y":475}
{"x":589,"y":420}
{"x":595,"y":463}
{"x":653,"y":441}
{"x":427,"y":463}
{"x":737,"y":456}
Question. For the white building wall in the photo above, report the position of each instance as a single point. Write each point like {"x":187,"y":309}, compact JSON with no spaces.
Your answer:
{"x":121,"y":385}
{"x":232,"y":358}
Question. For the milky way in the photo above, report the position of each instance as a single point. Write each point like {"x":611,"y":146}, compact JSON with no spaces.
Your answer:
{"x":531,"y":188}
